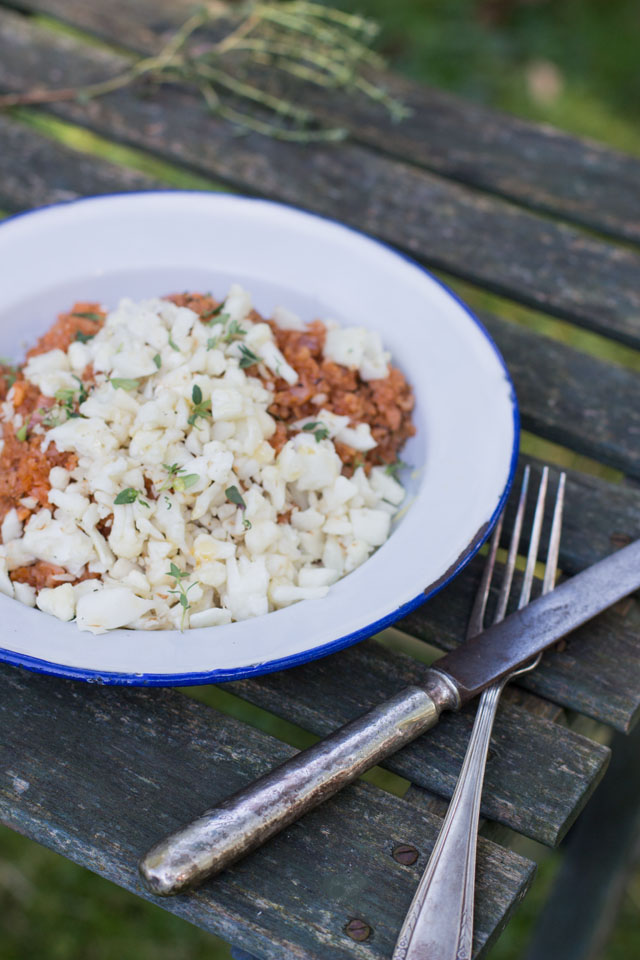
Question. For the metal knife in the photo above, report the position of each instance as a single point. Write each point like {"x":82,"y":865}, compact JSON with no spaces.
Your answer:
{"x":248,"y":818}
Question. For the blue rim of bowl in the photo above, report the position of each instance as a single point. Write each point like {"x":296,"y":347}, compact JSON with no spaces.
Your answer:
{"x":295,"y":660}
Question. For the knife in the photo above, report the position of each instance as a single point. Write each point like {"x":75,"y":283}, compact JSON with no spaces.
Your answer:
{"x":252,"y":815}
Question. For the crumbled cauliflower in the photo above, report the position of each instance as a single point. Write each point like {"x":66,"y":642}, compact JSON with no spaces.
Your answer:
{"x":179,"y":513}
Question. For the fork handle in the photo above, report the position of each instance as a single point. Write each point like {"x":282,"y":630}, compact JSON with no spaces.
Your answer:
{"x":248,"y":818}
{"x":440,"y":919}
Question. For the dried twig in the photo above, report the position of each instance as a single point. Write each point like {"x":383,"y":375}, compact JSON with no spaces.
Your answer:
{"x":318,"y":44}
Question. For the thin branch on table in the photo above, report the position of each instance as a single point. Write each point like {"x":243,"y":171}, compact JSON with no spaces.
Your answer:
{"x":320,"y":45}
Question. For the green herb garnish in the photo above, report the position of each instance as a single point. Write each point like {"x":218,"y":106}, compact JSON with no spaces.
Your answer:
{"x":84,"y":337}
{"x":392,"y":469}
{"x":201,"y":408}
{"x":123,"y":383}
{"x":179,"y":588}
{"x":174,"y":346}
{"x":95,"y":317}
{"x":67,"y":398}
{"x":130,"y":495}
{"x":51,"y":416}
{"x":233,"y":331}
{"x":212,"y":343}
{"x":318,"y":429}
{"x":10,"y":374}
{"x":21,"y":433}
{"x":157,"y":360}
{"x":178,"y":479}
{"x":234,"y":495}
{"x":214,"y":312}
{"x":248,"y":357}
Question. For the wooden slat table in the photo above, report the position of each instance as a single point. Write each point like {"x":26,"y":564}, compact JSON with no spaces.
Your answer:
{"x":544,"y":220}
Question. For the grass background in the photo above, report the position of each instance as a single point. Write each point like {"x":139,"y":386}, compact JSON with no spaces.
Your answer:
{"x":571,"y":63}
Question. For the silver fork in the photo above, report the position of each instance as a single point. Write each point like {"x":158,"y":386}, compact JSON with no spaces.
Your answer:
{"x":439,"y":924}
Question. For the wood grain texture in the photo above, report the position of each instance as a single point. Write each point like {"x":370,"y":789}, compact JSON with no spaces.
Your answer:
{"x":483,"y":239}
{"x":539,"y":774}
{"x":599,"y":516}
{"x":535,"y":165}
{"x":169,"y":758}
{"x":581,"y":911}
{"x":572,"y":398}
{"x":35,"y":171}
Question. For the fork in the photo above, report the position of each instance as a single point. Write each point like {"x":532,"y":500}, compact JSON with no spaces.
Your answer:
{"x":439,"y":923}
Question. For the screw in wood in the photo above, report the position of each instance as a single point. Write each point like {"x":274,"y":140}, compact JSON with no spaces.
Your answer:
{"x":358,"y":930}
{"x":405,"y":853}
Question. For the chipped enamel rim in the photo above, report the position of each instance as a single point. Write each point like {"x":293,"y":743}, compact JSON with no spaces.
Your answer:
{"x":463,"y":456}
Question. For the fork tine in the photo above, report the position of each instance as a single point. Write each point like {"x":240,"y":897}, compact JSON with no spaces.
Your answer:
{"x":476,"y":620}
{"x":554,"y":538}
{"x":507,"y":577}
{"x":534,"y":542}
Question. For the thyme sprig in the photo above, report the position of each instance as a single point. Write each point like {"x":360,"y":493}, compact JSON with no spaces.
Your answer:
{"x":248,"y":358}
{"x":178,"y":576}
{"x":201,"y":408}
{"x":178,"y":480}
{"x":69,"y":398}
{"x":317,"y":44}
{"x":393,"y":469}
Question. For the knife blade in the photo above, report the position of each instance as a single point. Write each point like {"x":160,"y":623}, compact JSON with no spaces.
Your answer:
{"x":510,"y":644}
{"x":245,"y":820}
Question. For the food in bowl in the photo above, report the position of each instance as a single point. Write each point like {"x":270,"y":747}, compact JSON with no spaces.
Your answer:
{"x":183,"y":462}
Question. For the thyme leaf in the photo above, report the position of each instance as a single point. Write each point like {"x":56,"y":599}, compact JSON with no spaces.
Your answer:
{"x":124,"y":383}
{"x":392,"y":469}
{"x":248,"y":357}
{"x":201,"y":408}
{"x":95,"y":317}
{"x":178,"y":479}
{"x":130,"y":495}
{"x":234,"y":495}
{"x":318,"y":429}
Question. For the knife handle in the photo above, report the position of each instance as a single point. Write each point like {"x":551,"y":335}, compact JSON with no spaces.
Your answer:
{"x":245,"y":820}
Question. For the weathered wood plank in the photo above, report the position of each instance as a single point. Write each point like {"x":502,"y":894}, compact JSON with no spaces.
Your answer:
{"x":35,"y":171}
{"x":572,"y":398}
{"x":99,"y":774}
{"x":529,"y":258}
{"x":599,"y":517}
{"x":538,"y":776}
{"x":581,"y":911}
{"x":537,"y":166}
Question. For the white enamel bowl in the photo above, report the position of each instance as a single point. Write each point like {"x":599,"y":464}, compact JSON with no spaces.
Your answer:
{"x":462,"y":456}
